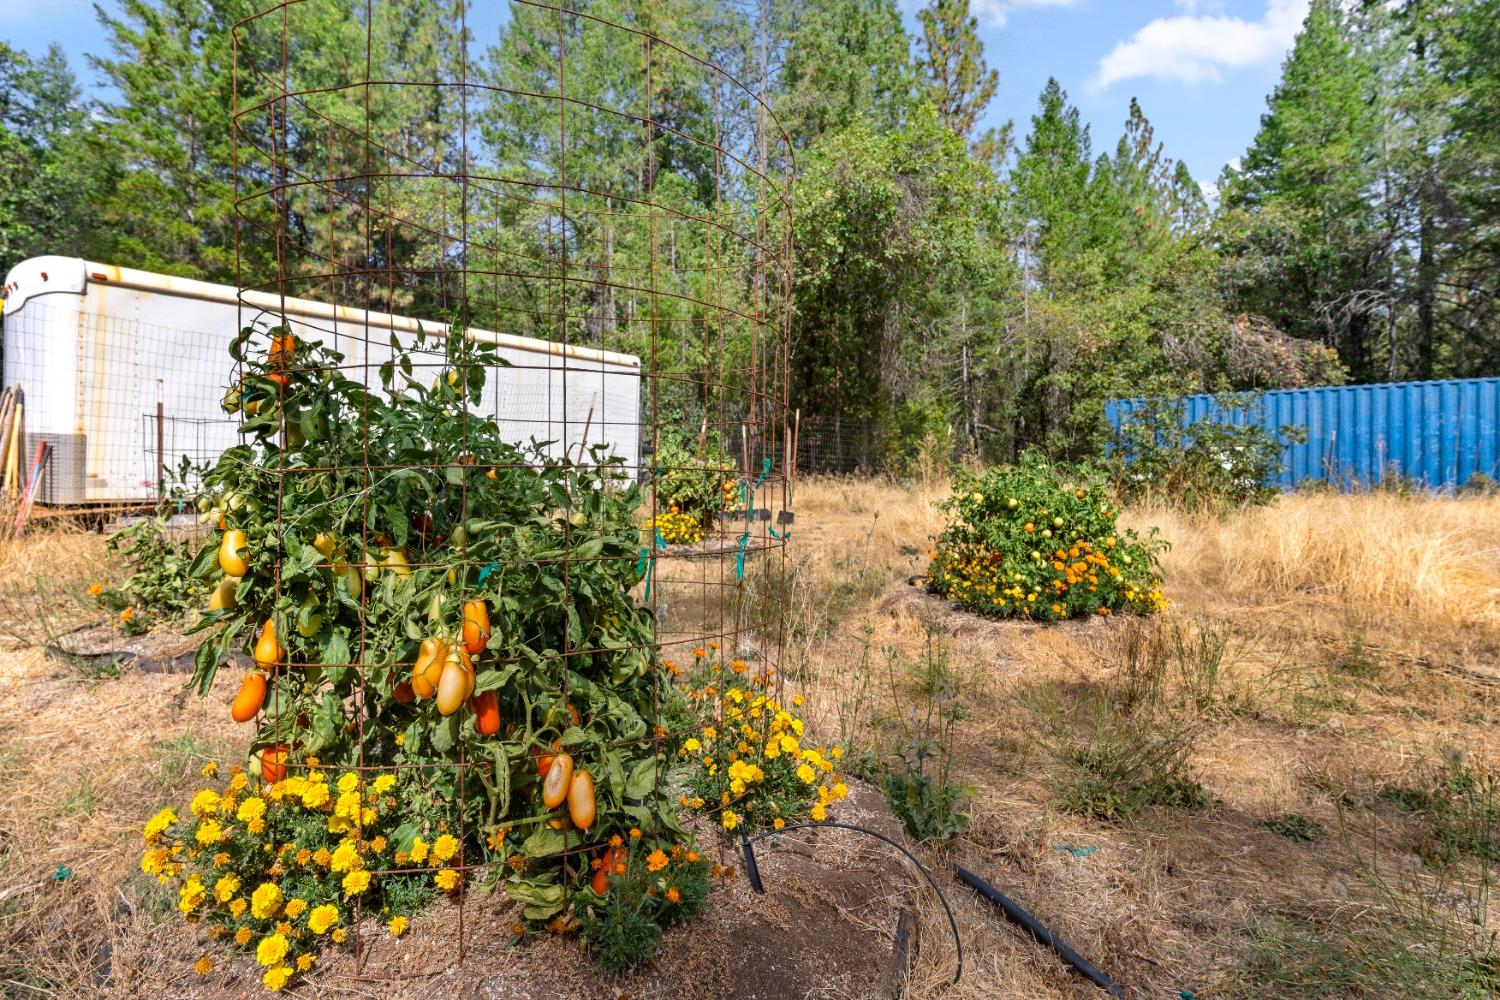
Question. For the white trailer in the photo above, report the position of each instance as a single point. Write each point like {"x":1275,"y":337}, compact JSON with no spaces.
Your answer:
{"x":95,"y":348}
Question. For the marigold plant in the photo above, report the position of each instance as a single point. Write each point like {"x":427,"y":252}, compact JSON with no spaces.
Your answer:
{"x":1041,"y":541}
{"x":275,"y":868}
{"x":745,"y":758}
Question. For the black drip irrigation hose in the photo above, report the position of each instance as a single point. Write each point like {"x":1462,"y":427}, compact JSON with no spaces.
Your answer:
{"x":1015,"y":913}
{"x":752,"y":872}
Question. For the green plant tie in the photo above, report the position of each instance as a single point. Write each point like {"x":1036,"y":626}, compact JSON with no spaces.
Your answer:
{"x":749,"y":492}
{"x":487,"y":570}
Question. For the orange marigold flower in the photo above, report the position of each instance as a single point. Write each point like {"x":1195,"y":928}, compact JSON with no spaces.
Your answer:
{"x":673,"y":896}
{"x":656,"y":860}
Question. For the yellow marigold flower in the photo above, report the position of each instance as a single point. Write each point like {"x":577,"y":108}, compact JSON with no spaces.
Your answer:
{"x":656,"y":860}
{"x":348,"y":782}
{"x":154,"y":860}
{"x":226,"y":887}
{"x":322,"y":918}
{"x":378,"y":844}
{"x":265,"y":900}
{"x":243,"y":935}
{"x":275,"y":979}
{"x":444,"y":847}
{"x":729,"y":819}
{"x":238,"y":781}
{"x":400,"y":739}
{"x":204,"y":802}
{"x":397,"y":926}
{"x":797,"y":700}
{"x":322,"y":857}
{"x":807,"y":774}
{"x":191,"y":894}
{"x":158,"y":824}
{"x":418,"y":850}
{"x":271,"y":950}
{"x":209,"y":832}
{"x":237,"y":907}
{"x":346,"y":857}
{"x":356,"y":882}
{"x":305,"y":961}
{"x":315,"y":795}
{"x":778,"y":822}
{"x":302,"y":857}
{"x":251,"y":809}
{"x":208,"y":771}
{"x":295,"y":908}
{"x":384,"y":783}
{"x":256,"y":826}
{"x":338,"y":935}
{"x":709,"y":733}
{"x":691,"y":745}
{"x":836,"y":753}
{"x":819,"y":812}
{"x":203,"y":966}
{"x":447,"y":879}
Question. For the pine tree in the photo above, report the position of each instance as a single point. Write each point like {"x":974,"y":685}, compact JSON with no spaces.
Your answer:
{"x":1301,"y":225}
{"x":952,"y":66}
{"x":50,"y":157}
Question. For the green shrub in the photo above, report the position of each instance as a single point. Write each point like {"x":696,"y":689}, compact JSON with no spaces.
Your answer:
{"x":1207,"y":464}
{"x":696,"y":485}
{"x":1038,"y":540}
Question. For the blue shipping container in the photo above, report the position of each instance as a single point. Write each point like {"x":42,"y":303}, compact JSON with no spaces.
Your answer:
{"x":1435,"y":433}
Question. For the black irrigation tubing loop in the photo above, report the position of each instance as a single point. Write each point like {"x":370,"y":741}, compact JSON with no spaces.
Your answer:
{"x":1014,"y":912}
{"x":752,"y":872}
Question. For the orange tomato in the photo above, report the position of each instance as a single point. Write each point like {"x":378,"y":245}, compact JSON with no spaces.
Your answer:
{"x":428,"y":669}
{"x":486,"y":708}
{"x":277,"y":377}
{"x":600,"y":883}
{"x":268,"y":651}
{"x":280,"y":354}
{"x":581,"y":804}
{"x":476,"y":626}
{"x":558,"y":782}
{"x":273,"y":763}
{"x":251,"y":697}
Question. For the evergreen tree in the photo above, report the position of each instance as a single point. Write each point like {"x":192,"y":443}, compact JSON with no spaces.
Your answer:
{"x":958,"y":82}
{"x":1300,"y":226}
{"x":49,"y":154}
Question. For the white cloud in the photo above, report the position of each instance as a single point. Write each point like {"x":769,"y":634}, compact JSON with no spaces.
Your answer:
{"x":1198,"y":48}
{"x":995,"y":13}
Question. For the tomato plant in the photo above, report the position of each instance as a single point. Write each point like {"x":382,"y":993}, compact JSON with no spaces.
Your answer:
{"x":1038,"y":540}
{"x":430,"y":588}
{"x":691,"y":489}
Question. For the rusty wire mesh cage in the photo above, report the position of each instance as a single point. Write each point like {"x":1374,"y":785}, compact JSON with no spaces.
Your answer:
{"x":514,"y":332}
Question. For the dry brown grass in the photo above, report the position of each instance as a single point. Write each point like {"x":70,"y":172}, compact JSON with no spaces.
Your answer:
{"x":1339,"y":612}
{"x":1359,"y":632}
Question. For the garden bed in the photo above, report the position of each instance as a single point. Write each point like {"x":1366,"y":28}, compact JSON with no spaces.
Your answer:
{"x":827,"y":925}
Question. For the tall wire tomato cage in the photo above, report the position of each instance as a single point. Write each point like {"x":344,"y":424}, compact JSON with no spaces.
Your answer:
{"x":533,"y":283}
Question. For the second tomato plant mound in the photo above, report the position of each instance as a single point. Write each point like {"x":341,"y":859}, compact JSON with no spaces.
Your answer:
{"x":1041,"y":541}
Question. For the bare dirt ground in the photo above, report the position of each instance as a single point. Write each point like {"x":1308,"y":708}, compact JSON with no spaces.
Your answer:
{"x":1326,"y":674}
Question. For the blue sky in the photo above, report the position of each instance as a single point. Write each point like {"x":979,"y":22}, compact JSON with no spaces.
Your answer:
{"x":1201,"y":68}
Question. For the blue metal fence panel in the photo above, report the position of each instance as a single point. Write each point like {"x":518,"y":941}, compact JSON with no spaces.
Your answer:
{"x":1438,"y":434}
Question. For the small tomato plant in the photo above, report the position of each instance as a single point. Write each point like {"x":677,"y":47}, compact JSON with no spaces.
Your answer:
{"x":1038,"y":540}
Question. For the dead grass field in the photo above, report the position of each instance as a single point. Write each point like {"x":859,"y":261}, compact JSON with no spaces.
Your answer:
{"x":1326,"y":672}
